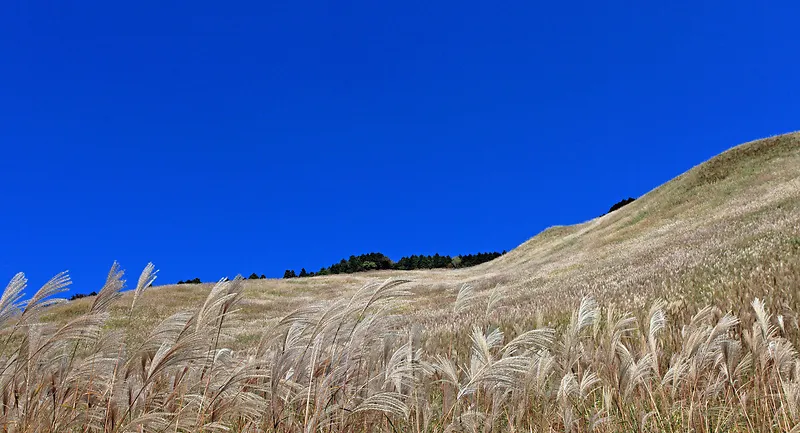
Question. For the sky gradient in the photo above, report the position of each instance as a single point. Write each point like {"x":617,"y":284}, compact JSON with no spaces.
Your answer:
{"x":216,"y":138}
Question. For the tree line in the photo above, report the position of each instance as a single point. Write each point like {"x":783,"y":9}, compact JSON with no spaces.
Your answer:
{"x":371,"y":262}
{"x":81,"y":295}
{"x":252,"y":276}
{"x":193,"y":281}
{"x":378,"y":261}
{"x":620,"y":204}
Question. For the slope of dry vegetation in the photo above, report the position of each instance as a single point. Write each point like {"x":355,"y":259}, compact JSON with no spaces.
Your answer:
{"x":678,"y":312}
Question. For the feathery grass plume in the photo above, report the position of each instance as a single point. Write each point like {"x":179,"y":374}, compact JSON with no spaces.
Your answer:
{"x":588,"y":384}
{"x":315,"y":351}
{"x":376,"y":295}
{"x":224,"y":393}
{"x":218,"y":297}
{"x":783,"y":355}
{"x":310,"y":315}
{"x":728,"y":359}
{"x":704,"y":314}
{"x":382,"y":299}
{"x":585,"y":316}
{"x":448,"y":370}
{"x":488,"y":371}
{"x":387,"y":402}
{"x":94,"y":370}
{"x":482,"y":344}
{"x":568,"y":388}
{"x":469,"y":421}
{"x":618,"y":326}
{"x":675,"y":375}
{"x":391,"y":289}
{"x":495,"y":297}
{"x":166,"y":332}
{"x":86,"y":327}
{"x":588,"y":312}
{"x":657,"y":321}
{"x":110,"y":291}
{"x":502,"y":374}
{"x":466,"y":296}
{"x":723,"y":326}
{"x":535,"y":339}
{"x":10,"y":304}
{"x":43,"y":297}
{"x":227,"y":304}
{"x":632,"y":372}
{"x":146,"y":279}
{"x":401,"y":368}
{"x":542,"y":367}
{"x":343,"y":319}
{"x":768,"y":331}
{"x":188,"y":348}
{"x":791,"y":392}
{"x":149,"y":422}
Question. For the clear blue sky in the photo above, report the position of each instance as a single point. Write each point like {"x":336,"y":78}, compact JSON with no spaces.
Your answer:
{"x":222,"y":137}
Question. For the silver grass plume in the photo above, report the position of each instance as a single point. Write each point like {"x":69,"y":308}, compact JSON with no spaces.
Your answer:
{"x":110,"y":291}
{"x":495,"y":296}
{"x":42,"y":298}
{"x":568,"y":388}
{"x":535,"y":339}
{"x":386,"y":402}
{"x":146,"y":279}
{"x":768,"y":331}
{"x":588,"y":312}
{"x":466,"y":295}
{"x":657,"y":322}
{"x":10,"y":304}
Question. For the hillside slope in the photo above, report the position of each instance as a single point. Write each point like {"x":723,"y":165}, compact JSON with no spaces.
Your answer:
{"x":732,"y":221}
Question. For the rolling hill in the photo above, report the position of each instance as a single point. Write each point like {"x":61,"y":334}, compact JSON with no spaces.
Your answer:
{"x":727,"y":221}
{"x":678,"y":312}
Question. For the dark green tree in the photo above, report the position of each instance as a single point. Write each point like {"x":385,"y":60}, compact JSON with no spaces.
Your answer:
{"x":378,"y":261}
{"x":620,"y":204}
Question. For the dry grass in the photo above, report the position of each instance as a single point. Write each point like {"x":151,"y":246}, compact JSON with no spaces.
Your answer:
{"x":678,"y":312}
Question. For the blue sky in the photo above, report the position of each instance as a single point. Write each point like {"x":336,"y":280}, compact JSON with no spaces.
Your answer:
{"x":216,"y":138}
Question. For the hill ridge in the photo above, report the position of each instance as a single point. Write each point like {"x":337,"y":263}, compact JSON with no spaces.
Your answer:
{"x":737,"y":199}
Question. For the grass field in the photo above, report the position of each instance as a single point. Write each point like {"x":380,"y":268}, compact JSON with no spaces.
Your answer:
{"x":678,"y":312}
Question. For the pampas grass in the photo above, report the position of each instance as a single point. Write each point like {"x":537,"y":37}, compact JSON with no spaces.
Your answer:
{"x":357,"y":366}
{"x":678,"y":313}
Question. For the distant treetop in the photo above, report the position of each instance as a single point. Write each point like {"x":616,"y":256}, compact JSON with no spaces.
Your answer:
{"x":378,"y":261}
{"x":620,"y":204}
{"x":81,"y":295}
{"x":194,"y":281}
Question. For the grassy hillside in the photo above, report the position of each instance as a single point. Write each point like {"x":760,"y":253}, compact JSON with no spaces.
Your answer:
{"x":674,"y":241}
{"x":676,"y":312}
